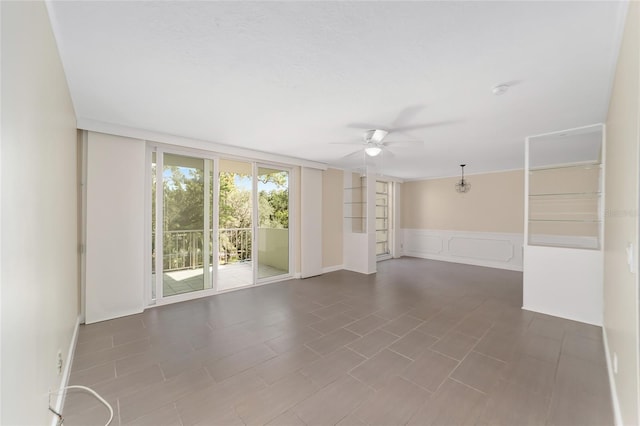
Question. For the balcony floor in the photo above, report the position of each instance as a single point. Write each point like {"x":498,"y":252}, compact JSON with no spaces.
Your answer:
{"x":230,"y":276}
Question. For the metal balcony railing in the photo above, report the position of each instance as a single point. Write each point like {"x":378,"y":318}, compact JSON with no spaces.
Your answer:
{"x":234,"y":245}
{"x":185,"y":249}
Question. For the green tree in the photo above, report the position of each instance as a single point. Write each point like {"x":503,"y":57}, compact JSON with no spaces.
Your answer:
{"x":275,"y":208}
{"x":183,"y":196}
{"x":274,"y":203}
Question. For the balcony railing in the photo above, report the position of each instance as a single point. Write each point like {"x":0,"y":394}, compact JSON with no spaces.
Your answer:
{"x":185,"y":249}
{"x":234,"y":245}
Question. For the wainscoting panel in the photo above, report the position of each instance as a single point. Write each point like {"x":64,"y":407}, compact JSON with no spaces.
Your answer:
{"x":431,"y":244}
{"x":492,"y":249}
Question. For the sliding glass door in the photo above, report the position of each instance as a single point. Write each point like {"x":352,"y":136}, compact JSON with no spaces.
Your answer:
{"x":216,"y":224}
{"x":235,"y":224}
{"x":186,"y":224}
{"x":273,"y":227}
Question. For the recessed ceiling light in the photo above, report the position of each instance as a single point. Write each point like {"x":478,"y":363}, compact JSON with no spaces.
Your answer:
{"x":500,"y":89}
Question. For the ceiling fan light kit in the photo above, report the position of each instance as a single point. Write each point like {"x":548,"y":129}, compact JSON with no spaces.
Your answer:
{"x":372,"y":150}
{"x":463,"y":186}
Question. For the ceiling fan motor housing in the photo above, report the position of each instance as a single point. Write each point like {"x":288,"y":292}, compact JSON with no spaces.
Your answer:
{"x":375,"y":135}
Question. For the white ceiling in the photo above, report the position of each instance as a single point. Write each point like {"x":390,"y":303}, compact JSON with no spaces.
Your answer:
{"x":293,"y":77}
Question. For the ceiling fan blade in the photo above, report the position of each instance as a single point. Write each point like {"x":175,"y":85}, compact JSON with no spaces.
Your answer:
{"x":398,"y":143}
{"x":407,"y":114}
{"x":512,"y":83}
{"x":354,"y":154}
{"x":388,"y":154}
{"x":378,"y":135}
{"x":423,"y":126}
{"x":364,"y":126}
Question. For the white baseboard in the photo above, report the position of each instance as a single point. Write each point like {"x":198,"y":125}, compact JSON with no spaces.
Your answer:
{"x":489,"y":249}
{"x":333,"y":268}
{"x":562,"y":314}
{"x":114,"y":315}
{"x":615,"y":402}
{"x":358,"y":271}
{"x":66,"y":372}
{"x":474,"y":262}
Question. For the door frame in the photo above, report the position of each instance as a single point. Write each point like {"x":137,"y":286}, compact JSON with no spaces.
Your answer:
{"x":390,"y":221}
{"x":160,"y":148}
{"x":289,"y":274}
{"x":160,"y":299}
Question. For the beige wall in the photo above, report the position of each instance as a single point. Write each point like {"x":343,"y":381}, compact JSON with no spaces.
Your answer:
{"x":621,"y":220}
{"x":570,"y":180}
{"x":332,"y":197}
{"x":39,"y":214}
{"x":581,"y":178}
{"x":494,"y":204}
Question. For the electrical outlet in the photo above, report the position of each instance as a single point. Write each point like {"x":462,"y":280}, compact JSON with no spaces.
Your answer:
{"x":615,"y":363}
{"x":59,"y":362}
{"x":631,"y":258}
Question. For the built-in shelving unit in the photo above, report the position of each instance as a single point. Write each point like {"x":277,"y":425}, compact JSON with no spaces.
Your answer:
{"x":355,"y":205}
{"x":564,"y":208}
{"x":359,"y":221}
{"x":369,"y":219}
{"x":565,"y":205}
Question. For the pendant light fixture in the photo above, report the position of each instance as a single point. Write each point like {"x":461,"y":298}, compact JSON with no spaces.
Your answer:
{"x":463,"y":186}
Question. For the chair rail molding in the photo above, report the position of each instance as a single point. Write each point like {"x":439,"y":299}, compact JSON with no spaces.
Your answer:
{"x":490,"y":249}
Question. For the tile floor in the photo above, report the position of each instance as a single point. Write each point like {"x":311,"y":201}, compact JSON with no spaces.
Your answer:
{"x":419,"y":343}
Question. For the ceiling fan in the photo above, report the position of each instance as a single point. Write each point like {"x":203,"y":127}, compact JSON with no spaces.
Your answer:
{"x":373,"y":142}
{"x":375,"y":134}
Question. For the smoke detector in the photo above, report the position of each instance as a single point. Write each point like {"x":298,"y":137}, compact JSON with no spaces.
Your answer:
{"x":500,"y":89}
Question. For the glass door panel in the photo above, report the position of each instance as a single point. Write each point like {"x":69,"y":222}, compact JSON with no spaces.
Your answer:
{"x":273,"y":222}
{"x":186,"y":230}
{"x":235,"y":222}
